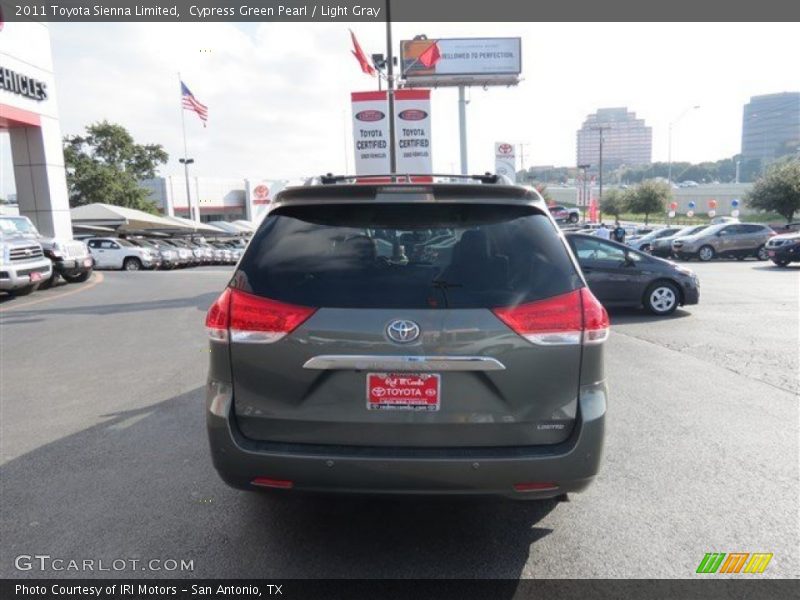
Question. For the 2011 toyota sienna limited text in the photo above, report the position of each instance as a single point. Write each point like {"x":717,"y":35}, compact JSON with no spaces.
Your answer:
{"x":408,"y":338}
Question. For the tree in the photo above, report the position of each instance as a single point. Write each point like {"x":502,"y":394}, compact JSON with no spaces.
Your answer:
{"x":647,"y":198}
{"x":613,"y":202}
{"x":106,"y":165}
{"x":778,"y":191}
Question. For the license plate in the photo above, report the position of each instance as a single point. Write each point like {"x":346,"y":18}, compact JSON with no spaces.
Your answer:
{"x":36,"y":276}
{"x":403,"y":391}
{"x":771,"y":253}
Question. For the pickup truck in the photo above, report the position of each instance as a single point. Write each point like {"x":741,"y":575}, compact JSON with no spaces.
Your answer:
{"x":562,"y":214}
{"x":70,"y":258}
{"x":23,"y":265}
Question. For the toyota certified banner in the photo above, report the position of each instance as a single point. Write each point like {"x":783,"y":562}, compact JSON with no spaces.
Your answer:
{"x":412,"y":132}
{"x":505,"y":160}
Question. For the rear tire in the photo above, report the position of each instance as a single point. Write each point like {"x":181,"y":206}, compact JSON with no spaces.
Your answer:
{"x":761,"y":253}
{"x":706,"y":253}
{"x":79,"y":278}
{"x":573,"y":219}
{"x":132,"y":264}
{"x":662,"y":298}
{"x":46,"y":284}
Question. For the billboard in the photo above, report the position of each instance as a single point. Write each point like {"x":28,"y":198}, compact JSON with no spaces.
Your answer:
{"x":463,"y":61}
{"x":505,"y":160}
{"x":412,"y":132}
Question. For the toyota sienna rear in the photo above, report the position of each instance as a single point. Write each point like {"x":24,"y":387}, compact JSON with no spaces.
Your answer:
{"x":410,"y":339}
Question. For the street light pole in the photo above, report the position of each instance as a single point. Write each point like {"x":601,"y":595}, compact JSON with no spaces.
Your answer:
{"x":669,"y":142}
{"x":390,"y":89}
{"x":601,"y":129}
{"x":584,"y":168}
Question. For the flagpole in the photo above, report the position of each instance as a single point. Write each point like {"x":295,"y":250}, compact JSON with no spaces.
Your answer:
{"x":186,"y":159}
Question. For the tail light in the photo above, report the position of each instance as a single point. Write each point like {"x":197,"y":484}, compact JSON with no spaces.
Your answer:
{"x":237,"y":316}
{"x":569,"y":319}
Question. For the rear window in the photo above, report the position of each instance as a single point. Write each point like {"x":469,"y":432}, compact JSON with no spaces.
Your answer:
{"x":406,"y":256}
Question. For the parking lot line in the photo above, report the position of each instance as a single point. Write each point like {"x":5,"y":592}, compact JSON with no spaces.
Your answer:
{"x":96,"y":279}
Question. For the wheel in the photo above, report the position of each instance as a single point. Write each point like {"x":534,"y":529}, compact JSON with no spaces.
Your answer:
{"x":661,"y":298}
{"x":645,"y":248}
{"x":780,"y":262}
{"x":706,"y":253}
{"x":24,"y":291}
{"x":761,"y":253}
{"x":573,"y":218}
{"x":132,"y":264}
{"x":79,"y":278}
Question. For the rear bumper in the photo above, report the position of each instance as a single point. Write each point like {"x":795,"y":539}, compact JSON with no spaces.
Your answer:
{"x":570,"y":465}
{"x":73,"y":266}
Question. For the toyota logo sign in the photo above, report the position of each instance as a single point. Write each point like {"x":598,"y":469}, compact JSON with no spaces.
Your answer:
{"x":402,"y":332}
{"x":505,"y":148}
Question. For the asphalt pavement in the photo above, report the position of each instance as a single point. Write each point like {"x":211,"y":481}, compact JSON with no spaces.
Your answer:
{"x":104,"y":454}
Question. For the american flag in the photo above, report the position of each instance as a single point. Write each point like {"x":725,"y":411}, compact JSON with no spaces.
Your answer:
{"x":189,"y":102}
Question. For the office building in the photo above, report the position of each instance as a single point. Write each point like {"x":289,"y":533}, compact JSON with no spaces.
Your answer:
{"x":626,"y":140}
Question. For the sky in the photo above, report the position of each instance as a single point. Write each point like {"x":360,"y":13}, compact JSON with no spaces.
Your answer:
{"x":279,"y":94}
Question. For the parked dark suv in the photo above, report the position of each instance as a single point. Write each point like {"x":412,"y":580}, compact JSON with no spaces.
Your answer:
{"x":408,"y":338}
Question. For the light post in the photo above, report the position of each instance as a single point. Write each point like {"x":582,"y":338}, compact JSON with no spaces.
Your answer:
{"x":584,"y":168}
{"x":601,"y":129}
{"x":390,"y":86}
{"x":186,"y":162}
{"x":669,"y":141}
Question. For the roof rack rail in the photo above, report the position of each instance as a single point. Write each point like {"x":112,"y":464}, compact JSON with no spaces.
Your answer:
{"x":487,"y":177}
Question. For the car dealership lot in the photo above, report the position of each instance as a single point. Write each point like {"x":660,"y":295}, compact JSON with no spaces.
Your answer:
{"x":104,"y":451}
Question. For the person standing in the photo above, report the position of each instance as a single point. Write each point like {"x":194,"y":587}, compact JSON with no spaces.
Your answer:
{"x":619,"y":233}
{"x":603,"y":232}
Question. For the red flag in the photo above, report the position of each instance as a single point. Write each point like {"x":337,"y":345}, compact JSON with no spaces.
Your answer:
{"x":430,"y":56}
{"x":360,"y":56}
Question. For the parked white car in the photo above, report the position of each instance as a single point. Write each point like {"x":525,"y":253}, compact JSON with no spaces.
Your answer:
{"x":116,"y":253}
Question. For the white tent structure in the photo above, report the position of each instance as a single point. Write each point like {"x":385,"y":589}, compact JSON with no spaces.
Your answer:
{"x":123,"y":219}
{"x":231,"y":228}
{"x":189,"y":225}
{"x":246,"y":226}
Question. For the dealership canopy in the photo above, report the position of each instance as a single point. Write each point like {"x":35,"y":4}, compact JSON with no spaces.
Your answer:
{"x":124,"y":219}
{"x":189,"y":225}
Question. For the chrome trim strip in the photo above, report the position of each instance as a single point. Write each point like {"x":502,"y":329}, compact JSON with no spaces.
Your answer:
{"x":365,"y":362}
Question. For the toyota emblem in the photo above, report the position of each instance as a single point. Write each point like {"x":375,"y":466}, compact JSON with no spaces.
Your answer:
{"x":402,"y":332}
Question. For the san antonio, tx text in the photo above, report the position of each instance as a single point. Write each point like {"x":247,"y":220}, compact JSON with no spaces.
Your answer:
{"x":128,"y":589}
